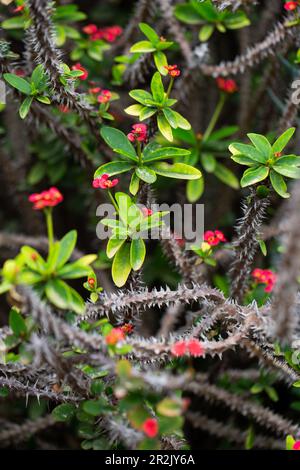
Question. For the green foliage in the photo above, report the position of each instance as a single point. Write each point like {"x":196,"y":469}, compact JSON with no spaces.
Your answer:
{"x":36,"y":88}
{"x":210,"y":18}
{"x":265,"y":160}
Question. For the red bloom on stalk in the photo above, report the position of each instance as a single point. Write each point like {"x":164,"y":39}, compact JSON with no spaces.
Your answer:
{"x":227,"y":85}
{"x":19,"y":8}
{"x":173,"y":70}
{"x":179,"y":349}
{"x":104,"y":183}
{"x":127,"y":328}
{"x":105,"y":96}
{"x":114,"y":336}
{"x":214,"y":238}
{"x":147,"y":212}
{"x":296,"y":445}
{"x":138,"y":133}
{"x":150,"y":427}
{"x":91,"y":282}
{"x":90,"y":29}
{"x":195,"y":348}
{"x":49,"y":198}
{"x":290,"y":6}
{"x":94,"y":90}
{"x":265,"y":276}
{"x":80,"y":67}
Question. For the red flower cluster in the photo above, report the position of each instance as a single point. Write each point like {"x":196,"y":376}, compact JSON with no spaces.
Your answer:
{"x":296,"y":445}
{"x":48,"y":198}
{"x":109,"y":34}
{"x":227,"y":85}
{"x":104,"y":183}
{"x":80,"y":67}
{"x":290,"y":6}
{"x":104,"y":96}
{"x":138,"y":133}
{"x":265,"y":276}
{"x":192,"y":347}
{"x":173,"y":70}
{"x":127,"y":328}
{"x":214,"y":238}
{"x":114,"y":336}
{"x":147,"y":212}
{"x":150,"y":427}
{"x":19,"y":9}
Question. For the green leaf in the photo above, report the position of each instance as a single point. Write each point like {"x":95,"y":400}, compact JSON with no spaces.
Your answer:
{"x":254,"y":175}
{"x":194,"y":189}
{"x":43,"y":99}
{"x":64,"y":412}
{"x":182,"y":122}
{"x":134,"y":184}
{"x":14,"y":23}
{"x":121,"y":266}
{"x":58,"y":293}
{"x":33,"y":259}
{"x":262,"y":144}
{"x":66,"y":248}
{"x":113,"y":168}
{"x":161,"y":62}
{"x":283,"y":140}
{"x":263,"y":247}
{"x":164,"y":127}
{"x":226,"y":176}
{"x":142,"y":46}
{"x":296,"y":384}
{"x":290,"y":441}
{"x":288,"y":171}
{"x":18,"y":82}
{"x":243,"y":160}
{"x":151,"y":154}
{"x":118,"y":141}
{"x":248,"y":151}
{"x":170,"y":117}
{"x":187,"y":13}
{"x":205,"y":32}
{"x":37,"y":75}
{"x":236,"y":21}
{"x":288,"y":160}
{"x":76,"y":302}
{"x":137,"y":253}
{"x":177,"y":170}
{"x":113,"y":245}
{"x":25,"y":107}
{"x":17,"y":323}
{"x":147,"y":112}
{"x":134,"y":109}
{"x":141,"y":96}
{"x":95,"y":407}
{"x":149,"y":33}
{"x":146,"y":174}
{"x":37,"y":173}
{"x":272,"y":393}
{"x":208,"y":162}
{"x":279,"y":184}
{"x":157,"y":88}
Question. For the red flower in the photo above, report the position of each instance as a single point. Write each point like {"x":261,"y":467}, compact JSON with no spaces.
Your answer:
{"x":296,"y":445}
{"x":19,"y":8}
{"x":114,"y":336}
{"x":290,"y":6}
{"x":64,"y":108}
{"x":127,"y":328}
{"x":265,"y":276}
{"x":150,"y":427}
{"x":90,"y":29}
{"x":179,"y":349}
{"x":94,"y":90}
{"x":78,"y":66}
{"x":214,"y":238}
{"x":20,"y":72}
{"x":173,"y":70}
{"x":195,"y":348}
{"x":49,"y":198}
{"x":138,"y":133}
{"x":104,"y":183}
{"x":227,"y":85}
{"x":105,"y":96}
{"x":91,"y":282}
{"x":147,"y":212}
